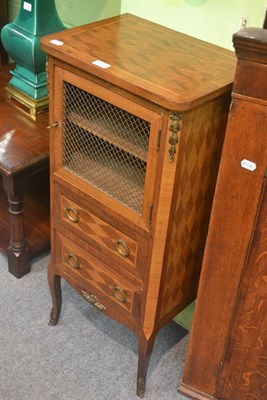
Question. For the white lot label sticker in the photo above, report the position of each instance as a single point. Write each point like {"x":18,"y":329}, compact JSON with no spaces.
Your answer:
{"x":101,"y":64}
{"x":27,"y":6}
{"x":56,"y":42}
{"x":251,"y":166}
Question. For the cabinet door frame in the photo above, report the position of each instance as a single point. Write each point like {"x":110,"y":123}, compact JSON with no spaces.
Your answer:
{"x":155,"y":120}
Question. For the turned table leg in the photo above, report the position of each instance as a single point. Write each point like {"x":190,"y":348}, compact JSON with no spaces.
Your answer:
{"x":17,"y":252}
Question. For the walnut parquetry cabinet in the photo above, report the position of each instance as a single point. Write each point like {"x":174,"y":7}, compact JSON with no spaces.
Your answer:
{"x":138,"y":115}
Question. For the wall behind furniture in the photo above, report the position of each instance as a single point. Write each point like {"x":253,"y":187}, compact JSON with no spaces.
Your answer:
{"x":214,"y":21}
{"x":77,"y":12}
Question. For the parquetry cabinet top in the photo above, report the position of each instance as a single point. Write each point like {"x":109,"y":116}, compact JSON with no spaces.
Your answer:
{"x":169,"y":68}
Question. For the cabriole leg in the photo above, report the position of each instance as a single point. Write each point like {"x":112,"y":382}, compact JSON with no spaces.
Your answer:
{"x":55,"y":289}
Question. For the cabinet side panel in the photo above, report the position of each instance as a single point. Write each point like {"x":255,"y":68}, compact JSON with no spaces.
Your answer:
{"x":199,"y":155}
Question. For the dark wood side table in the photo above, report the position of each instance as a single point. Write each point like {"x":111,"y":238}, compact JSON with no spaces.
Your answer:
{"x":24,"y":184}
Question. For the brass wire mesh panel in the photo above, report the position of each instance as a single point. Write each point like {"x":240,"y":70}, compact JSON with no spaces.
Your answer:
{"x":105,"y":145}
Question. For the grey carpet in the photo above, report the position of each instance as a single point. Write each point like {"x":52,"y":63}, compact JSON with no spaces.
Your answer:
{"x":87,"y":356}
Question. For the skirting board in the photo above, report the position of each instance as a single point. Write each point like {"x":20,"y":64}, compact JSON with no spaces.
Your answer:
{"x":194,"y":394}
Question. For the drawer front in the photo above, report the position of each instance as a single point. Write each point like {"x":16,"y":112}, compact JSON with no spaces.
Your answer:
{"x":102,"y":287}
{"x":107,"y":240}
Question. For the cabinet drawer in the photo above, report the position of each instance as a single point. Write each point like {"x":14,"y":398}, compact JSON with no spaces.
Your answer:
{"x":102,"y":287}
{"x":110,"y":242}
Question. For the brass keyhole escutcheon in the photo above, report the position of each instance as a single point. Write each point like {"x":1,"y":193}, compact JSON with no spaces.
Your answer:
{"x":119,"y":294}
{"x":73,"y":261}
{"x":54,"y":125}
{"x":72,"y":214}
{"x":122,"y":248}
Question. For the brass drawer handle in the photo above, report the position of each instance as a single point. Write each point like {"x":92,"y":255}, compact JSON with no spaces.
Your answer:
{"x":73,"y":261}
{"x":72,"y":214}
{"x":119,"y":294}
{"x":92,"y":299}
{"x":122,"y":248}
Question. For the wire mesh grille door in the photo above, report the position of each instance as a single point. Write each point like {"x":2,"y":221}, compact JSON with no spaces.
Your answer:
{"x":105,"y":145}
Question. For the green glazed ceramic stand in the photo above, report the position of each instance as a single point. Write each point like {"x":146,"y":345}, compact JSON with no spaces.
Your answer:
{"x":21,"y":39}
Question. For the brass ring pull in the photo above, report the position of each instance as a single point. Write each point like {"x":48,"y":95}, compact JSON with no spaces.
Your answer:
{"x":119,"y":294}
{"x":72,"y":214}
{"x":122,"y":248}
{"x":73,"y":261}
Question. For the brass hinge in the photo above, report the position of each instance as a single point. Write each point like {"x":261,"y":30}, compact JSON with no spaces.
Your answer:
{"x":150,"y":213}
{"x":159,"y":138}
